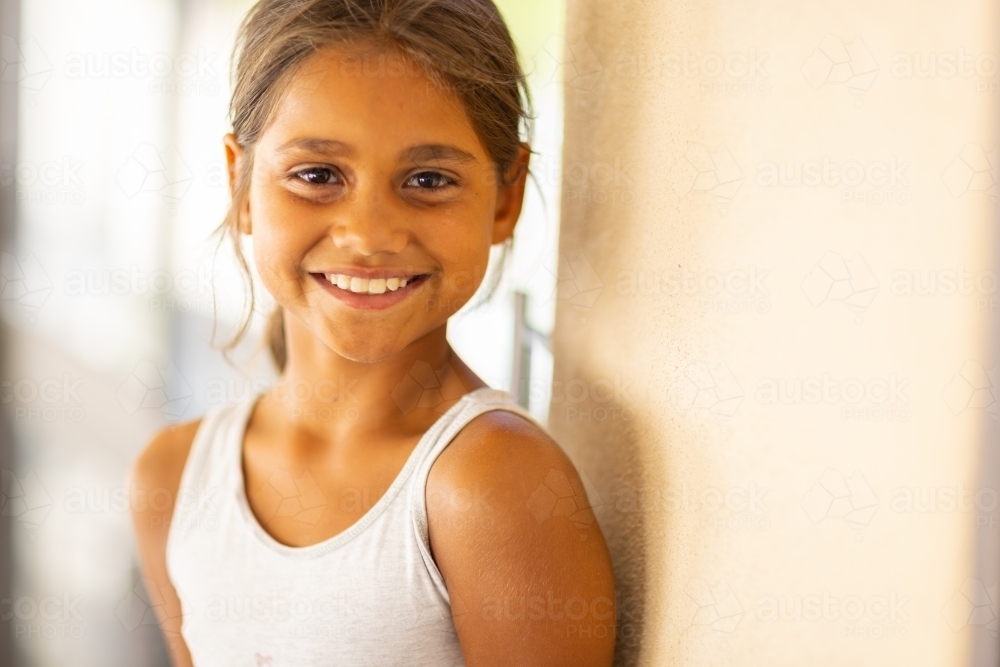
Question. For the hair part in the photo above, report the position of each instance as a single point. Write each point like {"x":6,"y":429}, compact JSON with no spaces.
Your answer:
{"x":464,"y":46}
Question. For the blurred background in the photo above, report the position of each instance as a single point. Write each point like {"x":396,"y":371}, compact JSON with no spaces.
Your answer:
{"x":762,"y":244}
{"x":113,"y":181}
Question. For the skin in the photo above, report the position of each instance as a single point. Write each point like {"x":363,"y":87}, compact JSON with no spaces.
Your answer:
{"x":371,"y":194}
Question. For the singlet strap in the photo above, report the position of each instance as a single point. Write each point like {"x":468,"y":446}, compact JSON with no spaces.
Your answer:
{"x":474,"y":404}
{"x":200,"y":482}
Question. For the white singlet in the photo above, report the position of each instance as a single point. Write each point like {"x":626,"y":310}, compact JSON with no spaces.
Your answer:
{"x":371,"y":595}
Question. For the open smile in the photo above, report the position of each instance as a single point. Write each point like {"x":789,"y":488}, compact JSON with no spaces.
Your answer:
{"x":369,"y":293}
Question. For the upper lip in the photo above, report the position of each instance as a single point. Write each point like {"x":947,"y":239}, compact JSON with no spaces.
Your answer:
{"x":371,"y":274}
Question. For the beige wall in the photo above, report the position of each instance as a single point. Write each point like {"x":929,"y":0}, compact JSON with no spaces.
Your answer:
{"x":696,"y":276}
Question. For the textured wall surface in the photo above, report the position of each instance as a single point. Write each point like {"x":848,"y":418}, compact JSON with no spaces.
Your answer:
{"x":775,"y":343}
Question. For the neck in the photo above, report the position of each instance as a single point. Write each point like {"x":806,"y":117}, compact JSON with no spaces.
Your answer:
{"x":337,"y":398}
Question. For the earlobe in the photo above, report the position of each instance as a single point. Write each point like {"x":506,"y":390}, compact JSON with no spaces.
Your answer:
{"x":245,"y":225}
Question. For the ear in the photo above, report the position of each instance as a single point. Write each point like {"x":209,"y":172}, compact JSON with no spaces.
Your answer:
{"x":235,"y":163}
{"x":510,"y":196}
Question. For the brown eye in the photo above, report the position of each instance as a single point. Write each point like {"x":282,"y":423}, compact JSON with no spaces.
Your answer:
{"x":429,"y":180}
{"x":318,"y":176}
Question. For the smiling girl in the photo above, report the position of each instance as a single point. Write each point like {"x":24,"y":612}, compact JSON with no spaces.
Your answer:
{"x":380,"y":505}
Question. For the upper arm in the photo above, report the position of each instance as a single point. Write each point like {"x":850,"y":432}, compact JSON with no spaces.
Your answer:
{"x":522,"y":555}
{"x":153,"y":481}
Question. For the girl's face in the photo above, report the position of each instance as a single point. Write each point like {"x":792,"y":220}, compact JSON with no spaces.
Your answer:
{"x":372,"y":202}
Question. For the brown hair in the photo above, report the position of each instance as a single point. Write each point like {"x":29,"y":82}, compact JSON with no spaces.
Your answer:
{"x":462,"y":44}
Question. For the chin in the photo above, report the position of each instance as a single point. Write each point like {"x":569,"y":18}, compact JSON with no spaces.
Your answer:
{"x":363,"y":351}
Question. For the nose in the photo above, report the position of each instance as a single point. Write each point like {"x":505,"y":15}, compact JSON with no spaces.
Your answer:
{"x":369,"y":224}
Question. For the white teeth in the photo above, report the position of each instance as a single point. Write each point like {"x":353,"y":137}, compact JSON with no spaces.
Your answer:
{"x":365,"y":285}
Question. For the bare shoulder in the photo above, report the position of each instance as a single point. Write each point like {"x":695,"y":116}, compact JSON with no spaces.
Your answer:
{"x":496,"y":444}
{"x":502,"y":470}
{"x":161,"y":462}
{"x":517,"y":543}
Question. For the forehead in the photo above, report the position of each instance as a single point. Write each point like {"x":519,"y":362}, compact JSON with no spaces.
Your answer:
{"x":372,"y":99}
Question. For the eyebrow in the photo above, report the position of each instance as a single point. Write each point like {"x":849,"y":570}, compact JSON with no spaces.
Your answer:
{"x":317,"y":145}
{"x":421,"y":153}
{"x":432,"y":152}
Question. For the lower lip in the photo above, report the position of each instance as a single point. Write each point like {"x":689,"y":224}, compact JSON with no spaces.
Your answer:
{"x":370,"y":301}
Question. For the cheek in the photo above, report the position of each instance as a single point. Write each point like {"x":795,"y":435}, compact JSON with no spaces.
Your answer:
{"x":280,"y":235}
{"x":464,"y":251}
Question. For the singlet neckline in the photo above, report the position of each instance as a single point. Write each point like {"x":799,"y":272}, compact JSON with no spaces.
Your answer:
{"x":334,"y":542}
